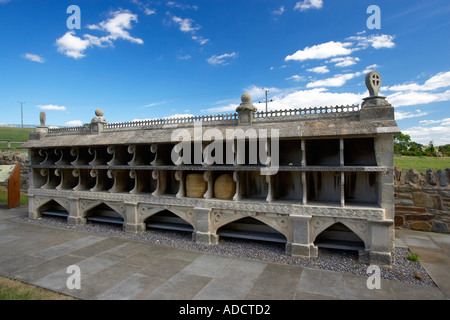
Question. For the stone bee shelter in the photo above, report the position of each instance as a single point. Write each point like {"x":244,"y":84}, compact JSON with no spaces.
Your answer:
{"x":334,"y":185}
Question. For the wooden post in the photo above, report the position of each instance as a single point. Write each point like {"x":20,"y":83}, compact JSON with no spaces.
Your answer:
{"x":14,"y":187}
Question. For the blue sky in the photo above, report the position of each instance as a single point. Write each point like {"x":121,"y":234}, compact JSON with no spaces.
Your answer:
{"x":139,"y":59}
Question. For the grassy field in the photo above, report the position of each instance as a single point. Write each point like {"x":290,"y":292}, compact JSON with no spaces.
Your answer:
{"x":15,"y":290}
{"x":421,"y":163}
{"x":14,"y":134}
{"x":4,"y":196}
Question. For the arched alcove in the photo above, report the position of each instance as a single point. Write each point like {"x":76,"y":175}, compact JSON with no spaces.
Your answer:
{"x":251,"y":228}
{"x":53,"y":208}
{"x":339,"y":236}
{"x":168,"y":220}
{"x":104,"y":214}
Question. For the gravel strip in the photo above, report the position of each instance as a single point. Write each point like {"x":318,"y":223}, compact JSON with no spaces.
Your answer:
{"x":342,"y":261}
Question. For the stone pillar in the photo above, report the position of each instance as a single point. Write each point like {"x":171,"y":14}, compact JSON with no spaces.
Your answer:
{"x":98,"y":122}
{"x":246,"y":110}
{"x":132,"y":223}
{"x":301,"y":245}
{"x":202,"y":234}
{"x":381,"y":242}
{"x":76,"y":214}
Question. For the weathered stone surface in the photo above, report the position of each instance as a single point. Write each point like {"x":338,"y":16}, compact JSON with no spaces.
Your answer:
{"x":399,"y":221}
{"x":426,"y":200}
{"x":431,"y":177}
{"x":419,"y":217}
{"x":439,"y":226}
{"x":403,"y":202}
{"x":442,"y":177}
{"x":420,"y":226}
{"x":410,"y":209}
{"x":413,"y":176}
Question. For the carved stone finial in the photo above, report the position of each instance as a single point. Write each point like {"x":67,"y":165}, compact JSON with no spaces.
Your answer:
{"x":373,"y":83}
{"x":42,"y":118}
{"x":375,"y":107}
{"x":246,"y":104}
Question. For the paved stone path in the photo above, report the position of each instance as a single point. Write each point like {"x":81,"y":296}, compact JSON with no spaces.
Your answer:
{"x":113,"y":268}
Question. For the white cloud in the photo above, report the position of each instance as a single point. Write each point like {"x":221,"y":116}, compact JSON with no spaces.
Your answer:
{"x":174,"y":4}
{"x":370,"y":68}
{"x":292,"y":98}
{"x":184,"y":57}
{"x":4,"y":1}
{"x":185,"y":24}
{"x":117,"y":26}
{"x":71,"y":45}
{"x":444,"y":122}
{"x":374,"y":40}
{"x":413,"y":98}
{"x":278,"y":12}
{"x":344,"y":61}
{"x":200,"y":39}
{"x":441,"y":80}
{"x":74,"y":123}
{"x":322,"y":51}
{"x":400,"y":115}
{"x":308,"y":4}
{"x":221,"y":59}
{"x":149,"y":11}
{"x":321,"y":70}
{"x":179,"y":115}
{"x":34,"y":57}
{"x":296,"y":78}
{"x":440,"y":134}
{"x":52,"y":107}
{"x":336,"y":81}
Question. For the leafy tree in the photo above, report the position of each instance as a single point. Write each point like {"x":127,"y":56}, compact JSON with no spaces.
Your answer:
{"x":401,"y":142}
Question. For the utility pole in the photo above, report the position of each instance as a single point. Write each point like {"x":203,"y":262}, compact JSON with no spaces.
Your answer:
{"x":21,"y":112}
{"x":267,"y":101}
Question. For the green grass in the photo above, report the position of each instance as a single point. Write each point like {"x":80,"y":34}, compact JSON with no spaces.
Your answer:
{"x":413,"y":257}
{"x":421,"y":163}
{"x":15,"y":290}
{"x":4,"y":196}
{"x":14,"y":134}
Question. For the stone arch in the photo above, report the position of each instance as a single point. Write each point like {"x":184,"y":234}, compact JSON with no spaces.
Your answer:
{"x":359,"y":228}
{"x":186,"y":214}
{"x":118,"y":208}
{"x":42,"y":202}
{"x":221,"y":218}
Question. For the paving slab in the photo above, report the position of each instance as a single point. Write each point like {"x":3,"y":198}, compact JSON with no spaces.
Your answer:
{"x":277,"y":282}
{"x":127,"y":289}
{"x":355,"y":288}
{"x":208,"y":265}
{"x":68,"y":246}
{"x":182,"y":286}
{"x":440,"y":275}
{"x":98,"y":283}
{"x":323,"y":282}
{"x":233,"y":282}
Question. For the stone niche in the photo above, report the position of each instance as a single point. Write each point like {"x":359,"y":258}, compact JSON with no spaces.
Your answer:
{"x":308,"y":178}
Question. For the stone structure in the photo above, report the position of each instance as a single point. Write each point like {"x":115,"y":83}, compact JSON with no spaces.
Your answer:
{"x":422,"y":200}
{"x":333,"y":187}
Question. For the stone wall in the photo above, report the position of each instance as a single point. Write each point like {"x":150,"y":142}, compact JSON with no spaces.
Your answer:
{"x":422,"y":200}
{"x":8,"y":158}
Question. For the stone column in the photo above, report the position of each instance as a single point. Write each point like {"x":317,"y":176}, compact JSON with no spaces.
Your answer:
{"x":132,"y":223}
{"x":202,"y":232}
{"x":301,"y":245}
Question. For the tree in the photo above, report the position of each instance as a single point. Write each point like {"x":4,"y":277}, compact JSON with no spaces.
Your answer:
{"x":401,"y":142}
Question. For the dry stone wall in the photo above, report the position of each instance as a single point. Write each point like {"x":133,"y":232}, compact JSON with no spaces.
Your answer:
{"x":422,"y":200}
